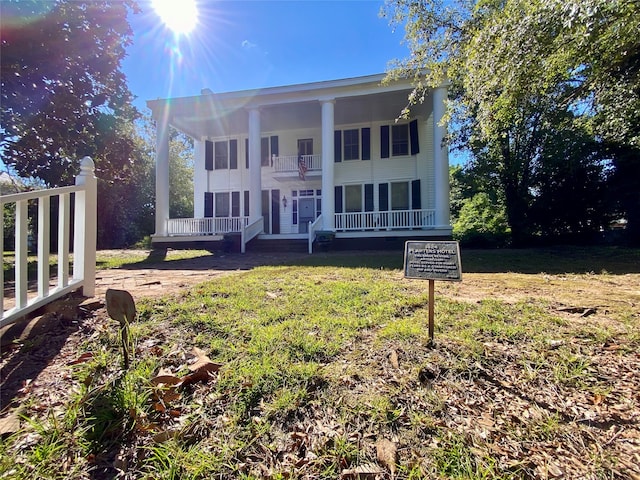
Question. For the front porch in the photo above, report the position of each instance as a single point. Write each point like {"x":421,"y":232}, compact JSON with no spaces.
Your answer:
{"x":396,"y":220}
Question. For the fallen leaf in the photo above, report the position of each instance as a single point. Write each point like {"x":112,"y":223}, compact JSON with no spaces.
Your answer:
{"x":370,"y":470}
{"x":201,"y":368}
{"x":393,"y":358}
{"x":165,"y":380}
{"x":387,"y":454}
{"x":165,"y":435}
{"x":203,"y":362}
{"x":85,"y":357}
{"x":9,"y":424}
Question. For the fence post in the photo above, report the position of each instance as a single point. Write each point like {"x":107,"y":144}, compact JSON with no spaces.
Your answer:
{"x":85,"y":228}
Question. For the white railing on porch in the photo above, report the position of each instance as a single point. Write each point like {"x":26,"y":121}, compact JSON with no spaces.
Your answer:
{"x":249,"y":232}
{"x":84,"y":244}
{"x":290,"y":163}
{"x":205,"y":226}
{"x":391,"y":220}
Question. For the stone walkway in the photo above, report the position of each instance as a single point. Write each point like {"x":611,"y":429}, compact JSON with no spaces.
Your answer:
{"x":169,"y":277}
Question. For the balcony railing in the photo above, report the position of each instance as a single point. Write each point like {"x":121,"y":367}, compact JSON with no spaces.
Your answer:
{"x":205,"y":226}
{"x":291,"y":163}
{"x":392,"y":220}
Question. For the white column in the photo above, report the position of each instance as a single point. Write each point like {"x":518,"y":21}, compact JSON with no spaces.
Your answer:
{"x":255,"y":167}
{"x":328,"y":193}
{"x":441,"y":159}
{"x":162,"y":174}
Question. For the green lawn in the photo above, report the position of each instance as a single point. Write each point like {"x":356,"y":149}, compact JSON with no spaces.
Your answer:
{"x":322,"y":364}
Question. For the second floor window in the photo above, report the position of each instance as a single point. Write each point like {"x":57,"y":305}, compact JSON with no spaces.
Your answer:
{"x":221,"y":155}
{"x":400,"y":140}
{"x":351,"y":144}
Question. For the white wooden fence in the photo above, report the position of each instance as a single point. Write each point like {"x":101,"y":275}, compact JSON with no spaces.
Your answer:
{"x":50,"y":288}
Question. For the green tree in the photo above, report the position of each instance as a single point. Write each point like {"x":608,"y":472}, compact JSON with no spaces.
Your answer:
{"x":516,"y":67}
{"x":63,"y":93}
{"x":180,"y":175}
{"x":64,"y":96}
{"x":181,"y":165}
{"x":481,"y":222}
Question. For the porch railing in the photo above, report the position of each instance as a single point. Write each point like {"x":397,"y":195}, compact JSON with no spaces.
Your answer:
{"x":205,"y":226}
{"x":84,"y":245}
{"x":394,"y":219}
{"x":290,"y":163}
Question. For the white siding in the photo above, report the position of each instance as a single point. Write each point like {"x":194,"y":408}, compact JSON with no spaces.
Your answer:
{"x":376,"y":170}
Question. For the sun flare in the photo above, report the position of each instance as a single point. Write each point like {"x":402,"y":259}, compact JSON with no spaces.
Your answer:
{"x":181,"y":16}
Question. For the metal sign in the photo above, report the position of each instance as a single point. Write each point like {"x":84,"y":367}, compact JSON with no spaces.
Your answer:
{"x":432,"y":261}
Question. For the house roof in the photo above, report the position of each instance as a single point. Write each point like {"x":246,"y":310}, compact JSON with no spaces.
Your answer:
{"x":290,"y":106}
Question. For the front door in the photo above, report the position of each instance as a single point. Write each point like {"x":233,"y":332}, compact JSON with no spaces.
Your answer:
{"x":306,"y":214}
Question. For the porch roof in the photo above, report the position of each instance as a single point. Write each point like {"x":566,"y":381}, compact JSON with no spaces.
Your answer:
{"x":293,"y":106}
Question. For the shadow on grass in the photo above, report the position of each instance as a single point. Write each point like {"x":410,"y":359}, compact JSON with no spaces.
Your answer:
{"x":556,"y":260}
{"x":29,"y":346}
{"x":552,"y":260}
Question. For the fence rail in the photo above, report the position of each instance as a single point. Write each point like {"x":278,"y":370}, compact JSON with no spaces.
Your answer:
{"x":291,"y":163}
{"x":391,"y":220}
{"x":84,"y":196}
{"x":206,"y":226}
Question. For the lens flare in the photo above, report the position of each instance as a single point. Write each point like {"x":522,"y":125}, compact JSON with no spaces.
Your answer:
{"x":179,"y":16}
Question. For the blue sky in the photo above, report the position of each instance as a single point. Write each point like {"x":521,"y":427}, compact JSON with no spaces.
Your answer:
{"x":239,"y":45}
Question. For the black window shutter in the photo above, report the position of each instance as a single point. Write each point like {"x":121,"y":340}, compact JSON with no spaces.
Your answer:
{"x":366,"y":144}
{"x":416,"y":202}
{"x":368,"y":197}
{"x":208,"y":155}
{"x":337,"y":146}
{"x":246,"y":153}
{"x":246,"y":203}
{"x":384,"y":141}
{"x":208,"y":204}
{"x":413,"y":137}
{"x":235,"y":204}
{"x":274,"y":146}
{"x":233,"y":154}
{"x":383,"y":197}
{"x":338,"y":199}
{"x":264,"y":152}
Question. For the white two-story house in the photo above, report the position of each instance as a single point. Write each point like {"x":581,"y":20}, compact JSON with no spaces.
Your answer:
{"x":308,"y":163}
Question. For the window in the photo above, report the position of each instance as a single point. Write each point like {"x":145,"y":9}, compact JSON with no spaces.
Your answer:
{"x":221,"y":155}
{"x":353,"y":198}
{"x":305,"y":146}
{"x":404,"y":140}
{"x":400,"y":140}
{"x":351,"y":144}
{"x":222,"y":204}
{"x":400,"y":196}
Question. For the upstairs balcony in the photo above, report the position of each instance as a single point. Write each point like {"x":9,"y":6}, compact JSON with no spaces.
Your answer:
{"x":290,"y":166}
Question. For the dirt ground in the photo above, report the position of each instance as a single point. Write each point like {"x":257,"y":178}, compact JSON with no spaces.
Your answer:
{"x":35,"y":355}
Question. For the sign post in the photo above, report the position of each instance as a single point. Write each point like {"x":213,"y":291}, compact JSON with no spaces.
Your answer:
{"x":432,"y":261}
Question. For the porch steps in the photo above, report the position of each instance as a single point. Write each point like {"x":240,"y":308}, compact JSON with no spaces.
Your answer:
{"x":288,"y":245}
